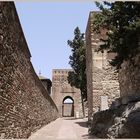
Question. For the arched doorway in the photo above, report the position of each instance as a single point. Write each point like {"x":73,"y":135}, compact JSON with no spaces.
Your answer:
{"x":68,"y":107}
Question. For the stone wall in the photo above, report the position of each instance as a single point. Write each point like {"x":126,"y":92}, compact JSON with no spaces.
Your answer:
{"x":47,"y":84}
{"x":122,"y":119}
{"x":24,"y":104}
{"x":105,"y":84}
{"x":102,"y":79}
{"x":129,"y":77}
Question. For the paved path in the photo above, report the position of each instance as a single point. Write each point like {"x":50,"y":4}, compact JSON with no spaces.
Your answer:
{"x":63,"y":129}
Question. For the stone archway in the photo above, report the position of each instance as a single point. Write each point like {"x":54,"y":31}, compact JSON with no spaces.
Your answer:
{"x":68,"y":107}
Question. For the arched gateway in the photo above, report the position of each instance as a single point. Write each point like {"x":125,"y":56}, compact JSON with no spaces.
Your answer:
{"x":66,"y":97}
{"x":68,"y":107}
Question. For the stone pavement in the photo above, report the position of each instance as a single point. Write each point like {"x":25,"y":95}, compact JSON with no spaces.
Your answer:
{"x":63,"y":129}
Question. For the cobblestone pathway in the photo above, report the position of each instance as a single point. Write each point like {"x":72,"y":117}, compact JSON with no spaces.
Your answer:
{"x":63,"y":129}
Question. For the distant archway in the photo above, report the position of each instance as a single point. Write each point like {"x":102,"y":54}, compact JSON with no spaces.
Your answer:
{"x":68,"y":107}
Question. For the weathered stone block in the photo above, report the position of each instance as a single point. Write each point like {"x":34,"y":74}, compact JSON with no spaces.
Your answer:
{"x":115,"y":104}
{"x":125,"y":100}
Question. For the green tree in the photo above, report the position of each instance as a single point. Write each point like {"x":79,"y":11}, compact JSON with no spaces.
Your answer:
{"x":77,"y":77}
{"x":122,"y":20}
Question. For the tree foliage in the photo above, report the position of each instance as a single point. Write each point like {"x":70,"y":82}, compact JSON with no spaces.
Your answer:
{"x":122,"y":20}
{"x":77,"y":77}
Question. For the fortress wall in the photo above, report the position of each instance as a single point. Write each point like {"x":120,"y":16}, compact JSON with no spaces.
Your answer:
{"x":25,"y":105}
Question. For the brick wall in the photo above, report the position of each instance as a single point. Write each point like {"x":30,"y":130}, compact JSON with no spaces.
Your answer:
{"x":24,"y":104}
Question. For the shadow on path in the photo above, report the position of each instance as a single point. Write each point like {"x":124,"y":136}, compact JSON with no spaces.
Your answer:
{"x":87,"y":136}
{"x":83,"y":124}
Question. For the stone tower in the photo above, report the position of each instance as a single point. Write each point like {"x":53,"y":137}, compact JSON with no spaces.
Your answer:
{"x":62,"y":90}
{"x":102,"y":80}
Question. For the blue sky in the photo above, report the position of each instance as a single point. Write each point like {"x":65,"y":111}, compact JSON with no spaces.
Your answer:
{"x":47,"y":26}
